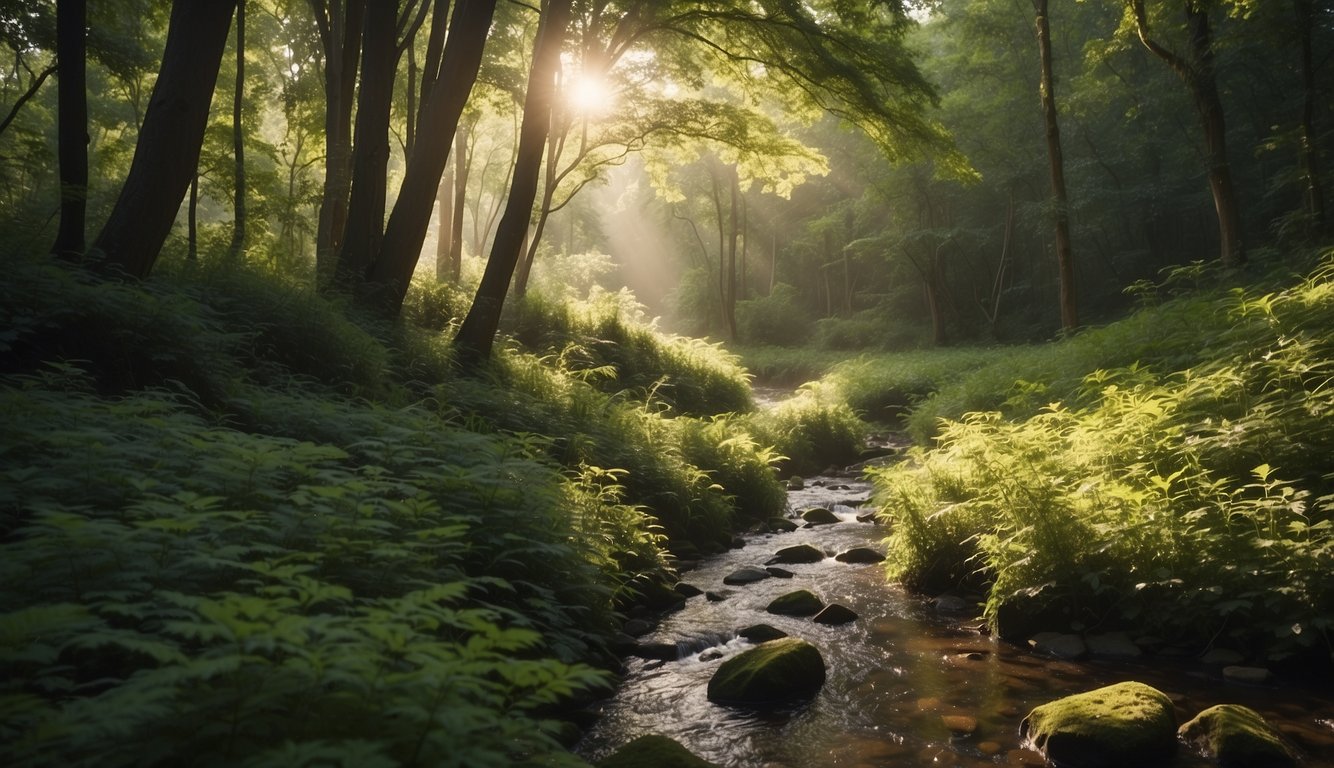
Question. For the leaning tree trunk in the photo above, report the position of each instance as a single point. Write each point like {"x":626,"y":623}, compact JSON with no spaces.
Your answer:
{"x":389,"y":276}
{"x":238,"y":141}
{"x":477,"y":335}
{"x":167,"y":153}
{"x":72,"y":100}
{"x":1065,"y":263}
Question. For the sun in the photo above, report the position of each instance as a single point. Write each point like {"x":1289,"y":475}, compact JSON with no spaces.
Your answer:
{"x":589,"y":95}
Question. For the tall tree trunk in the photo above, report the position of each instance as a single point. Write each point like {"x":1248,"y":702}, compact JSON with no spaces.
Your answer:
{"x":238,"y":140}
{"x":72,"y":99}
{"x":462,"y":165}
{"x":167,"y":153}
{"x":1198,"y":72}
{"x":1308,"y":160}
{"x":391,"y":273}
{"x":340,"y":26}
{"x":192,"y":221}
{"x":1065,"y":263}
{"x":730,"y":290}
{"x":444,"y":211}
{"x":476,"y":336}
{"x":370,"y":155}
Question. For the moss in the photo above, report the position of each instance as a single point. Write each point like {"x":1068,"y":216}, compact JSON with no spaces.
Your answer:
{"x":1237,"y":737}
{"x":771,"y":673}
{"x":1124,"y":724}
{"x":654,"y":752}
{"x":803,"y":602}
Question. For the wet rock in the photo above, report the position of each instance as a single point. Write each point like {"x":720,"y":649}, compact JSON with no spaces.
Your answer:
{"x":795,"y":483}
{"x":747,"y":575}
{"x":952,"y":605}
{"x":658,"y":651}
{"x":819,"y":516}
{"x":654,"y":752}
{"x":736,"y":542}
{"x":637,"y":627}
{"x":1237,"y":736}
{"x":687,"y":590}
{"x":713,"y":654}
{"x":719,"y":596}
{"x":771,"y":673}
{"x":1026,"y":758}
{"x":779,"y":573}
{"x":802,"y":602}
{"x":1222,"y":657}
{"x":801,"y":553}
{"x":1116,"y":644}
{"x":761,"y":633}
{"x":860,"y":555}
{"x":834,"y":614}
{"x":959,"y":725}
{"x":1059,"y":645}
{"x":1121,"y":725}
{"x":781,"y":525}
{"x":1247,"y":675}
{"x":867,"y":517}
{"x":989,"y":747}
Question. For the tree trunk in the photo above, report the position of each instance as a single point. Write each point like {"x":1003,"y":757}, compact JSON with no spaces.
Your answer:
{"x":238,"y":141}
{"x":391,"y":273}
{"x":730,"y":288}
{"x":167,"y":152}
{"x":476,"y":336}
{"x":72,"y":99}
{"x":1065,"y":263}
{"x":1308,"y":160}
{"x":462,"y":165}
{"x":192,"y":222}
{"x":444,"y":208}
{"x":370,"y":154}
{"x":340,"y":37}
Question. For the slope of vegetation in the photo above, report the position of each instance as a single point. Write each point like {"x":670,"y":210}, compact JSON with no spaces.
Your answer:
{"x":240,"y":527}
{"x":1181,"y":487}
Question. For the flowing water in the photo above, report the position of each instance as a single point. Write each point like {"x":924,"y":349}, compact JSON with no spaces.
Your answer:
{"x":894,"y":674}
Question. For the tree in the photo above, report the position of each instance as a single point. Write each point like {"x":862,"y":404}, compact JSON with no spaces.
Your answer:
{"x":238,"y":141}
{"x":167,"y":150}
{"x":476,"y":336}
{"x":1197,"y":70}
{"x":340,"y":26}
{"x":1064,"y":259}
{"x":71,"y":36}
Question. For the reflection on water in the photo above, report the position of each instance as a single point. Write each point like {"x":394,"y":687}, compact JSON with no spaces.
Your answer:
{"x":906,"y":687}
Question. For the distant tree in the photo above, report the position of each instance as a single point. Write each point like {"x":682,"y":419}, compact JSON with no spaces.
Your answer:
{"x":476,"y":336}
{"x":1065,"y":264}
{"x":71,"y":52}
{"x":167,"y":151}
{"x":340,"y":27}
{"x":238,"y":141}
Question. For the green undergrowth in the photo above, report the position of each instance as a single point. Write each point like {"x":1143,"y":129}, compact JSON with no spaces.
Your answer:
{"x":886,"y":386}
{"x":237,"y":527}
{"x":1186,"y":495}
{"x":781,"y":366}
{"x":812,"y":430}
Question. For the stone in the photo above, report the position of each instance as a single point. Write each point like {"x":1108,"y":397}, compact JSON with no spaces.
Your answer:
{"x":1238,"y":736}
{"x":835,"y":614}
{"x":1059,"y":645}
{"x":713,"y":654}
{"x":1115,"y":644}
{"x":637,"y":627}
{"x":819,"y":516}
{"x":1026,"y":758}
{"x":801,"y":553}
{"x":658,"y":651}
{"x":959,"y":725}
{"x":761,"y":633}
{"x":1247,"y":675}
{"x":802,"y":602}
{"x":747,"y":575}
{"x":867,"y":517}
{"x":654,"y":751}
{"x":687,"y":590}
{"x":1222,"y":657}
{"x":779,"y":573}
{"x":952,"y":605}
{"x":1124,"y":724}
{"x":782,"y":525}
{"x":795,"y":483}
{"x":860,"y":555}
{"x":989,"y":747}
{"x":719,"y":596}
{"x":775,"y":672}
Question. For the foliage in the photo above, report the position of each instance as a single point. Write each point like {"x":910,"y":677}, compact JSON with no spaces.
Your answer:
{"x":884,"y":387}
{"x":812,"y":430}
{"x":1190,"y":502}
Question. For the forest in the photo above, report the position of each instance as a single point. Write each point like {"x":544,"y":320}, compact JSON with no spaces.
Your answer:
{"x":371,"y":369}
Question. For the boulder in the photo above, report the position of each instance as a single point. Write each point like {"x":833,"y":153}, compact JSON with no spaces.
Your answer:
{"x":835,"y":614}
{"x":860,"y":555}
{"x":761,"y":633}
{"x":771,"y":673}
{"x":1121,"y":725}
{"x":781,"y":525}
{"x":654,"y":752}
{"x":637,"y":627}
{"x":779,"y":573}
{"x":657,"y":651}
{"x":803,"y":602}
{"x":1237,"y":737}
{"x":801,"y":553}
{"x":819,"y":516}
{"x":795,"y":483}
{"x":687,"y":590}
{"x":747,"y":575}
{"x":718,"y":596}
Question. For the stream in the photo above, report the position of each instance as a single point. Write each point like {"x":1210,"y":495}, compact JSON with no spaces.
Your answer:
{"x":894,"y":674}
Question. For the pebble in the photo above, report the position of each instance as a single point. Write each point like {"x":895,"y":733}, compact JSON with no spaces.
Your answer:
{"x":960,"y":725}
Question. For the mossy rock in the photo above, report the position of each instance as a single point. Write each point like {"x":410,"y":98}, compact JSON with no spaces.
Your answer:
{"x":803,"y":602}
{"x":1124,"y":724}
{"x":654,"y":752}
{"x":771,"y":673}
{"x":1237,"y":737}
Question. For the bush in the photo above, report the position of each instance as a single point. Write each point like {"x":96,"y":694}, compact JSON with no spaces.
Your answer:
{"x":777,"y":319}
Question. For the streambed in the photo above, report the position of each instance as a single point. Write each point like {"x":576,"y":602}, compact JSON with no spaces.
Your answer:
{"x":894,"y":675}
